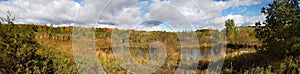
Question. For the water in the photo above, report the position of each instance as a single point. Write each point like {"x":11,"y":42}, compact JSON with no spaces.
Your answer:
{"x":194,"y":54}
{"x":186,"y":53}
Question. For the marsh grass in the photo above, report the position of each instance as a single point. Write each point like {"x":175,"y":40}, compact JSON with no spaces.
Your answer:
{"x":240,"y":60}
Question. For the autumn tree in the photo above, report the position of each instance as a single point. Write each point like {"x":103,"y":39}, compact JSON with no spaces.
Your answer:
{"x":280,"y":32}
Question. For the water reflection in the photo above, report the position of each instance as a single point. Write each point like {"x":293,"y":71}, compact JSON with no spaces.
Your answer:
{"x":143,"y":52}
{"x":191,"y":54}
{"x":195,"y":54}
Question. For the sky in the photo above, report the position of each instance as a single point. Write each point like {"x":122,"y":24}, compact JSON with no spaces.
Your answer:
{"x":172,"y":15}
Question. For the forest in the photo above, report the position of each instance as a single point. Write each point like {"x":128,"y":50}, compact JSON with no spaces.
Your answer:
{"x":271,"y":46}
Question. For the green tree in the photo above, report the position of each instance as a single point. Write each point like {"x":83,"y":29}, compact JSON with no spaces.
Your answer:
{"x":230,"y":27}
{"x":279,"y":33}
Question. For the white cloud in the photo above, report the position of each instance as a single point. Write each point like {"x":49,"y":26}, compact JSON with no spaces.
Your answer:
{"x":91,"y":11}
{"x":105,"y":26}
{"x":238,"y":19}
{"x":207,"y":13}
{"x":203,"y":13}
{"x":63,"y":11}
{"x":129,"y":18}
{"x":37,"y":11}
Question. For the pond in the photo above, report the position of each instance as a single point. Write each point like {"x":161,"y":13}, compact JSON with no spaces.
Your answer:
{"x":196,"y":53}
{"x":192,"y":54}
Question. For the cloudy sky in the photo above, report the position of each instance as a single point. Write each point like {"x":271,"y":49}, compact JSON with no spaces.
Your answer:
{"x":136,"y":14}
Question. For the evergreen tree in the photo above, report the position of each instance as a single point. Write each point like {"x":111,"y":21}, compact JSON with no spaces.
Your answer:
{"x":279,"y":33}
{"x":20,"y":51}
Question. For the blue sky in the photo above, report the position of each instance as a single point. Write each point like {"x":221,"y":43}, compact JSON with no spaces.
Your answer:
{"x":253,"y":10}
{"x":3,"y":0}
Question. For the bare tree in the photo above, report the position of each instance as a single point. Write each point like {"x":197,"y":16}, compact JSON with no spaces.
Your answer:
{"x":8,"y":19}
{"x":2,"y":20}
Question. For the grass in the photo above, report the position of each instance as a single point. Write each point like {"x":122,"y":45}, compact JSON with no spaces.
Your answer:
{"x":261,"y":63}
